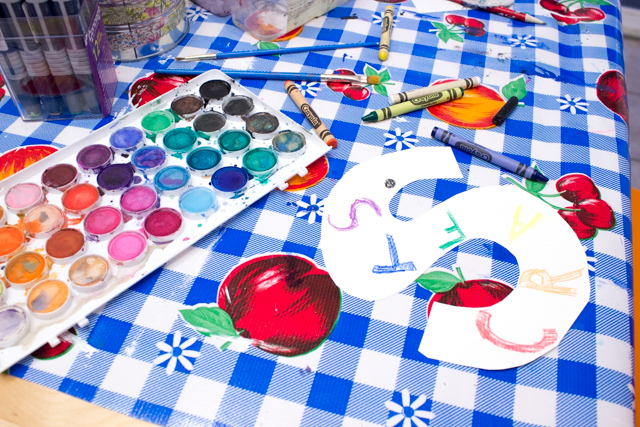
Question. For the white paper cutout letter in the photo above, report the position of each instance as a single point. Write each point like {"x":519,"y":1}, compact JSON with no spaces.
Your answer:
{"x":528,"y":323}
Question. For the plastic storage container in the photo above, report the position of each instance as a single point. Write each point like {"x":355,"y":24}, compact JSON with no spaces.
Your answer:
{"x":269,"y":19}
{"x":56,"y":60}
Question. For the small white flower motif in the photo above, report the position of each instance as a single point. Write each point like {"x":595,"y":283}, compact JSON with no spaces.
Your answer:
{"x":572,"y":104}
{"x":196,"y":13}
{"x":523,"y":42}
{"x":176,"y":352}
{"x":314,"y":208}
{"x":408,"y":412}
{"x":376,"y":18}
{"x":309,"y":88}
{"x":400,"y":140}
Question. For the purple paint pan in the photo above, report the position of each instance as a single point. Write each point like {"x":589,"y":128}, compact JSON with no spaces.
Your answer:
{"x":14,"y":325}
{"x":116,"y":178}
{"x":94,"y":158}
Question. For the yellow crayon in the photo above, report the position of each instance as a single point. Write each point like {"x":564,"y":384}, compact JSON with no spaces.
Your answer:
{"x":385,"y":38}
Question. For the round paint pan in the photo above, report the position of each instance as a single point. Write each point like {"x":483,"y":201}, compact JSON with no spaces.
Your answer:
{"x":65,"y":245}
{"x":25,"y":270}
{"x":80,"y":199}
{"x":179,"y":140}
{"x":44,"y":220}
{"x":163,"y":225}
{"x":137,"y":201}
{"x":59,"y":177}
{"x":149,"y":160}
{"x":12,"y":240}
{"x":262,"y":125}
{"x":14,"y":325}
{"x":229,"y":181}
{"x":49,"y":299}
{"x":260,"y":162}
{"x":116,"y":178}
{"x":215,"y":90}
{"x":210,"y":123}
{"x":171,"y":180}
{"x":237,"y":106}
{"x":127,"y":248}
{"x":289,"y":144}
{"x":23,"y":197}
{"x":234,"y":142}
{"x":103,"y":223}
{"x":89,"y":273}
{"x":198,"y":203}
{"x":93,"y":158}
{"x":187,"y":106}
{"x":203,"y":161}
{"x":126,"y":140}
{"x":158,"y":122}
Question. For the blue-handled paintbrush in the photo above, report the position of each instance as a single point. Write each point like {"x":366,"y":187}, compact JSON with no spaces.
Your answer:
{"x":243,"y":54}
{"x":265,"y":75}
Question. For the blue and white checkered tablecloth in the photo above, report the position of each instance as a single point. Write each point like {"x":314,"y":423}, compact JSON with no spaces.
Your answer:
{"x":369,"y":370}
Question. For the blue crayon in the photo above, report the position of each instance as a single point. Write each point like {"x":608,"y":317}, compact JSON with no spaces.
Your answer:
{"x":490,"y":156}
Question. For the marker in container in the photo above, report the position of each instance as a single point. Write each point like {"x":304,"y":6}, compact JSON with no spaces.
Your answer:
{"x":485,"y":154}
{"x":414,"y":105}
{"x":463,"y":84}
{"x":505,"y":111}
{"x":316,"y":123}
{"x":23,"y":89}
{"x":385,"y":37}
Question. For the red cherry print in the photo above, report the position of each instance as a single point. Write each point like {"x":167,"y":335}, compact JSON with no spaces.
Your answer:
{"x":475,"y":32}
{"x":576,"y":187}
{"x":357,"y":93}
{"x":285,"y":304}
{"x":147,"y":88}
{"x":582,"y":230}
{"x":569,"y":20}
{"x":455,"y":19}
{"x":591,"y":12}
{"x":555,"y":6}
{"x":473,"y":23}
{"x":472,"y":293}
{"x":612,"y":92}
{"x":596,"y":213}
{"x":340,"y":86}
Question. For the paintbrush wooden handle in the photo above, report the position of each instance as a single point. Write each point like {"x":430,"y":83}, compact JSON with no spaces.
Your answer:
{"x":321,"y":130}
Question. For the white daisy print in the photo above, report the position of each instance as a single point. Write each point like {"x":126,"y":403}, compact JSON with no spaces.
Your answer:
{"x":312,"y":206}
{"x":196,"y":13}
{"x":398,"y":140}
{"x":176,"y":352}
{"x":376,"y":18}
{"x":573,"y":105}
{"x":408,"y":413}
{"x":523,"y":42}
{"x":309,"y":88}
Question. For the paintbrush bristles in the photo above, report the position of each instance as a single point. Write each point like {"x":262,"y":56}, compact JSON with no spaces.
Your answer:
{"x":373,"y":80}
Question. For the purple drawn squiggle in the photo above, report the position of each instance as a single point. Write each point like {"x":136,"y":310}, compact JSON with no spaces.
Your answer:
{"x":352,"y":213}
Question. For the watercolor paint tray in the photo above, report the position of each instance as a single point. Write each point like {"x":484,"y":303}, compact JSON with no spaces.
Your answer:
{"x":42,"y":331}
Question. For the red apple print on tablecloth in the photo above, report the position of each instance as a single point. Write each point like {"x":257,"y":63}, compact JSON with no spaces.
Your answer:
{"x":150,"y":87}
{"x":458,"y":26}
{"x":284,"y":304}
{"x":454,"y":290}
{"x":67,"y":341}
{"x":561,"y":10}
{"x":612,"y":92}
{"x":587,"y":214}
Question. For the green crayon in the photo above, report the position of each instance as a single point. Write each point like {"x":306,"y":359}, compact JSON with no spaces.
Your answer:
{"x":414,"y":104}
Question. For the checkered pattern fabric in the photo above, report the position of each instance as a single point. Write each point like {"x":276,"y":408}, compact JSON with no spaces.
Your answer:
{"x":369,"y":370}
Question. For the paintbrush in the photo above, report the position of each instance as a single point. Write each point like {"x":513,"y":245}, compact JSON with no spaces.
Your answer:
{"x":283,"y":51}
{"x":261,"y":75}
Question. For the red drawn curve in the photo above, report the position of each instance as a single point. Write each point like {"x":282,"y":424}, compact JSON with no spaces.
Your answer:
{"x":549,"y":336}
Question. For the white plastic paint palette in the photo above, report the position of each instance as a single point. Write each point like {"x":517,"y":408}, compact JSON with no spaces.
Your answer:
{"x":98,"y":276}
